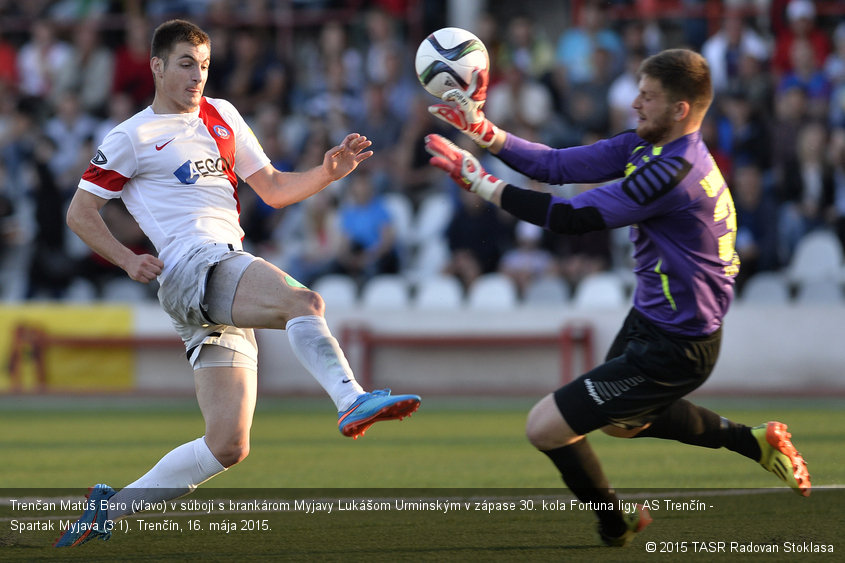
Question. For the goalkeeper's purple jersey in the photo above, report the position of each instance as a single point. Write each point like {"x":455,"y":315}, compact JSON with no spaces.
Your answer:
{"x":682,"y":218}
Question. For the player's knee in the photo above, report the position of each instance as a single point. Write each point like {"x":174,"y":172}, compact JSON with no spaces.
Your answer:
{"x":546,"y":427}
{"x":538,"y":433}
{"x":231,"y":453}
{"x":309,"y":303}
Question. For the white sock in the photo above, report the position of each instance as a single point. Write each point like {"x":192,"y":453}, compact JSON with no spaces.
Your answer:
{"x":179,"y":472}
{"x":319,"y":352}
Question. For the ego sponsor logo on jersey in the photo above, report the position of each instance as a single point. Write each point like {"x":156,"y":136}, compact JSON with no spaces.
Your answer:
{"x":191,"y":171}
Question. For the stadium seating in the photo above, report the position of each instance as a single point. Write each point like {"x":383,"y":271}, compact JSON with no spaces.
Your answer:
{"x":337,"y":290}
{"x":429,"y":259}
{"x":386,"y":291}
{"x":766,"y":288}
{"x":604,"y":290}
{"x":81,"y":290}
{"x":124,"y":290}
{"x":432,"y":217}
{"x":818,"y":256}
{"x":402,"y":213}
{"x":545,"y":291}
{"x":819,"y":292}
{"x":439,"y":291}
{"x":492,"y":291}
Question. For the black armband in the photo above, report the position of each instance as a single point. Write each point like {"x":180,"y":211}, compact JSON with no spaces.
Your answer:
{"x":534,"y":207}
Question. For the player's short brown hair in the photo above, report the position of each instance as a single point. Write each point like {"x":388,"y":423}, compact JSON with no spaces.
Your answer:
{"x":171,"y":32}
{"x":684,"y":75}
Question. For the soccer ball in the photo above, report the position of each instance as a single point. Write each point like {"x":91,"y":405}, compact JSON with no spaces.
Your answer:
{"x":446,"y":59}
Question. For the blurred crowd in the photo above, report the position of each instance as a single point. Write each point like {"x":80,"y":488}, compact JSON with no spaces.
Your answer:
{"x":71,"y":70}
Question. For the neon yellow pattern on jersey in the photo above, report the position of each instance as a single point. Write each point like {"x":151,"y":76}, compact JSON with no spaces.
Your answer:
{"x":714,"y":185}
{"x":664,"y":280}
{"x":714,"y":181}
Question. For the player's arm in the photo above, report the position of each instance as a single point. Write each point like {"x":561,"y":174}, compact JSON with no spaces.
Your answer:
{"x":599,"y":162}
{"x":84,"y":219}
{"x":279,"y":189}
{"x":643,"y":194}
{"x":528,"y":205}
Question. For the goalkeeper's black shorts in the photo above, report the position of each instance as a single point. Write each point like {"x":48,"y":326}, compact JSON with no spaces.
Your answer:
{"x":646,"y":370}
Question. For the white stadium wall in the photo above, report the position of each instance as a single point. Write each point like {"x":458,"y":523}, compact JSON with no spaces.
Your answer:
{"x":766,"y":350}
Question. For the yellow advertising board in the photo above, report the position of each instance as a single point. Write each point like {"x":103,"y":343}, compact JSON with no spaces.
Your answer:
{"x":57,"y":347}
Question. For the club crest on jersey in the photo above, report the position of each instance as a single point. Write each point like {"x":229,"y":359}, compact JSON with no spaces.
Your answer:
{"x":221,"y":131}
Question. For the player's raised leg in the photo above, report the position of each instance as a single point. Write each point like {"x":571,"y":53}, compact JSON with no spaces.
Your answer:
{"x":769,"y":444}
{"x":267,"y":297}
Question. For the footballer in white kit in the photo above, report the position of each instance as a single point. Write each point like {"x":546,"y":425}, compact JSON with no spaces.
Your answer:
{"x":176,"y":166}
{"x":149,"y":159}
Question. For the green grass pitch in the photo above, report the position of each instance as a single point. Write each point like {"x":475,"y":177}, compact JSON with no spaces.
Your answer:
{"x":466,"y":452}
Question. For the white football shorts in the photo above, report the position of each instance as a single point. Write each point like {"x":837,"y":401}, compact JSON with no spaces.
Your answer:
{"x":198,"y":294}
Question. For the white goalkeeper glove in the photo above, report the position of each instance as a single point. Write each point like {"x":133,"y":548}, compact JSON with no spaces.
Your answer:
{"x":461,"y":166}
{"x":462,"y":110}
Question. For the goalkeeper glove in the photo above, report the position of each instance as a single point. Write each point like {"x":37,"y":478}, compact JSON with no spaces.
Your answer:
{"x":461,"y":166}
{"x":462,"y":110}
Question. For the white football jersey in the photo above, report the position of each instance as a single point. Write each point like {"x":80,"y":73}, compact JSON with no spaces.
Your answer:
{"x":176,"y":173}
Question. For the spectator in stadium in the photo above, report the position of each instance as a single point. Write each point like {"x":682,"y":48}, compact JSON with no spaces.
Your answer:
{"x":309,"y":238}
{"x":834,"y":69}
{"x":43,"y":57}
{"x":477,"y":236}
{"x":808,"y":76}
{"x":801,"y":25}
{"x":725,"y":49}
{"x":791,"y":112}
{"x":757,"y":221}
{"x":580,"y":255}
{"x":683,"y":238}
{"x":255,"y":76}
{"x":742,"y":130}
{"x":381,"y":41}
{"x":622,"y":90}
{"x":527,"y":49}
{"x":575,"y":45}
{"x":368,"y":245}
{"x":89,"y":71}
{"x":179,"y":184}
{"x":837,"y":161}
{"x":50,"y":268}
{"x":132,"y":63}
{"x":414,"y":177}
{"x":8,"y":66}
{"x":335,"y":103}
{"x":834,"y":65}
{"x":68,"y":128}
{"x":527,"y":261}
{"x":805,"y":188}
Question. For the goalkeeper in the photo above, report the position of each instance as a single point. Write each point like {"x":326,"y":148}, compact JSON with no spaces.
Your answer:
{"x":664,"y":184}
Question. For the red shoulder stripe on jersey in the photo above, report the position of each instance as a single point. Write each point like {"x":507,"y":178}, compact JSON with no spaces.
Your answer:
{"x":106,"y":179}
{"x":223,"y":135}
